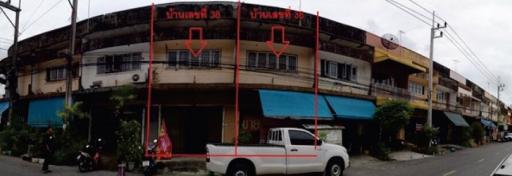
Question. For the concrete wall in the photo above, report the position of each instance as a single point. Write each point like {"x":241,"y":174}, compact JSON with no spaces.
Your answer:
{"x":35,"y":75}
{"x":164,"y":74}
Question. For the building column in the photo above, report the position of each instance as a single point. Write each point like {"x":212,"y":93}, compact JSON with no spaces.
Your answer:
{"x":228,"y":124}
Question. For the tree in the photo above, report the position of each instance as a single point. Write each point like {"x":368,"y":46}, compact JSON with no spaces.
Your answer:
{"x":477,"y":132}
{"x":392,"y":116}
{"x":122,"y":96}
{"x":128,"y":135}
{"x":72,"y":111}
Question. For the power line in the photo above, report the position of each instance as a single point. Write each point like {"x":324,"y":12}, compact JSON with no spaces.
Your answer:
{"x":465,"y":54}
{"x":466,"y":51}
{"x":410,"y":9}
{"x":396,"y":4}
{"x":34,"y":12}
{"x":41,"y":16}
{"x":422,"y":7}
{"x":471,"y":52}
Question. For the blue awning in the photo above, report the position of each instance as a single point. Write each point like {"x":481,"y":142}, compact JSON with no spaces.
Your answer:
{"x":296,"y":105}
{"x":488,"y":124}
{"x":44,"y":113}
{"x":456,"y":119}
{"x":351,"y":108}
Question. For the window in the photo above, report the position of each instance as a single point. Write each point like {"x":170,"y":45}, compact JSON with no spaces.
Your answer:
{"x":268,"y":60}
{"x":442,"y":96}
{"x":301,"y":138}
{"x":282,"y":62}
{"x":184,"y":59}
{"x":416,"y":89}
{"x":119,"y":63}
{"x":56,"y":74}
{"x":59,"y":73}
{"x":333,"y":70}
{"x":339,"y":71}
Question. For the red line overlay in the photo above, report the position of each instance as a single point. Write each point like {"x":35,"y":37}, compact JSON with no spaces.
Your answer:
{"x":239,"y":155}
{"x":237,"y":92}
{"x":150,"y":77}
{"x":237,"y":75}
{"x":317,"y":60}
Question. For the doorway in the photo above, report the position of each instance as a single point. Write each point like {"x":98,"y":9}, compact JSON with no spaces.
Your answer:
{"x":191,"y":128}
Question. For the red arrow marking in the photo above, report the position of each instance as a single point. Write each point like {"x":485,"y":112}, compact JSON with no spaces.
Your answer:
{"x":270,"y":43}
{"x":202,"y":43}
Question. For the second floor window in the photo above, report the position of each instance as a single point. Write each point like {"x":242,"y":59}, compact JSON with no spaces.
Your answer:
{"x":268,"y":60}
{"x":59,"y":73}
{"x":442,"y":97}
{"x":416,"y":89}
{"x":184,"y":59}
{"x":56,"y":74}
{"x":119,"y":63}
{"x":340,"y":71}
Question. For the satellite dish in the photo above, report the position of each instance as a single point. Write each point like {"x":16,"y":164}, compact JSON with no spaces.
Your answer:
{"x":389,"y":41}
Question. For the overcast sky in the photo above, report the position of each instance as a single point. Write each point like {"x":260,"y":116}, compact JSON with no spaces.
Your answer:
{"x":484,"y":25}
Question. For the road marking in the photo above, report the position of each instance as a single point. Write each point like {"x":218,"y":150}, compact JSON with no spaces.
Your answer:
{"x":481,"y":160}
{"x":449,"y":173}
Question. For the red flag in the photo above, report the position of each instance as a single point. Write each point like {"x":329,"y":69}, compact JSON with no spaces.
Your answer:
{"x":164,"y":147}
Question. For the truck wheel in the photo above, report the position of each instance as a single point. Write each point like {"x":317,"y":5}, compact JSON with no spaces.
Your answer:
{"x":335,"y":167}
{"x":239,"y":170}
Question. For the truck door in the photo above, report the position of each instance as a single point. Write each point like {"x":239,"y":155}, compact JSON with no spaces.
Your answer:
{"x":302,"y":143}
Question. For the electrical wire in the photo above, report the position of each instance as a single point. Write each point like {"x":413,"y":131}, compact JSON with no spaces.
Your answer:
{"x":471,"y":51}
{"x":41,"y":16}
{"x":34,"y":12}
{"x":471,"y":56}
{"x":396,"y":4}
{"x":465,"y":54}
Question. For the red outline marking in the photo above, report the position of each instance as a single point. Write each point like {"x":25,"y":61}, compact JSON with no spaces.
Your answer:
{"x":270,"y":43}
{"x":237,"y":75}
{"x":202,"y":43}
{"x":150,"y":77}
{"x":237,"y":79}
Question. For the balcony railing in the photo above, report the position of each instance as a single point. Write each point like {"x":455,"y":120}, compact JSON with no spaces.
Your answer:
{"x":389,"y":91}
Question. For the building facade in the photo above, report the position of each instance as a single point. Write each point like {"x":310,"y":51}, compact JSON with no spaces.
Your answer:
{"x":193,"y":68}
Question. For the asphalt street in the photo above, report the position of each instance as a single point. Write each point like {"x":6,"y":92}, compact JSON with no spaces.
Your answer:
{"x":10,"y":166}
{"x":479,"y":161}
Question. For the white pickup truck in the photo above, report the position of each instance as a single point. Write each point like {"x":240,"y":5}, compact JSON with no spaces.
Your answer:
{"x":288,"y":151}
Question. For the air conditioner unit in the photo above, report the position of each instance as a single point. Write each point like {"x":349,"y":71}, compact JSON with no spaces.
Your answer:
{"x":138,"y":78}
{"x":96,"y":84}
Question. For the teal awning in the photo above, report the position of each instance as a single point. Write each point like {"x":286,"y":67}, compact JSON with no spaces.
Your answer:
{"x":456,"y":119}
{"x":351,"y":108}
{"x":295,"y":105}
{"x":3,"y":106}
{"x":44,"y":113}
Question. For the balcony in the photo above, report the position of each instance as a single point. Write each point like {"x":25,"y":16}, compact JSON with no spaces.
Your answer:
{"x":388,"y":92}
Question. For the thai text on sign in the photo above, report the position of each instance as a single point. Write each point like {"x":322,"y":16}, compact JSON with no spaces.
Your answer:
{"x":257,"y":13}
{"x":202,"y":13}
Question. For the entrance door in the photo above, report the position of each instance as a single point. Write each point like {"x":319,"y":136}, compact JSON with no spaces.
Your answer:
{"x":191,"y":128}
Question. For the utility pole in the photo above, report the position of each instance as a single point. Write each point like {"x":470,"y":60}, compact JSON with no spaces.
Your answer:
{"x":12,"y":74}
{"x":501,"y":87}
{"x":71,"y":54}
{"x":433,"y":36}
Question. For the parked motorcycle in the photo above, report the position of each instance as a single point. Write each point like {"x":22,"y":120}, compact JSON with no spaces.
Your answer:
{"x":150,"y":165}
{"x":90,"y":156}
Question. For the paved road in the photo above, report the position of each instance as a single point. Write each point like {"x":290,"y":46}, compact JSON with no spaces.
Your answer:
{"x":470,"y":162}
{"x":10,"y":166}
